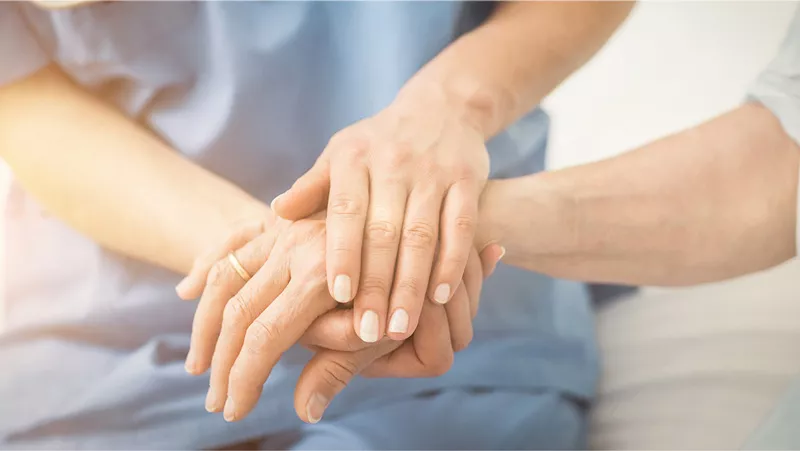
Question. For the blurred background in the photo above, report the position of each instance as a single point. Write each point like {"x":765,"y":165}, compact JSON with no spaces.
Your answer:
{"x":671,"y":65}
{"x":713,"y":359}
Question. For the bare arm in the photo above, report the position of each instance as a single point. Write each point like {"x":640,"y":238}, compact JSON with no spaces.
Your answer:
{"x":109,"y":178}
{"x":506,"y":66}
{"x":712,"y":202}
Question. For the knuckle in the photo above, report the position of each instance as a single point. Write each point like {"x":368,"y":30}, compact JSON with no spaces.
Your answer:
{"x":411,"y":286}
{"x":338,"y":372}
{"x":464,"y":172}
{"x":465,"y":225}
{"x":346,"y":206}
{"x":419,"y":235}
{"x":237,"y":312}
{"x":375,"y":286}
{"x":216,"y":276}
{"x":429,"y":168}
{"x":260,"y":336}
{"x":382,"y":232}
{"x":398,"y":155}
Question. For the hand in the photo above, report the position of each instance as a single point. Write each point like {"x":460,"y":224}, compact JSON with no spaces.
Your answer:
{"x":428,"y":353}
{"x":391,"y":183}
{"x":224,"y":282}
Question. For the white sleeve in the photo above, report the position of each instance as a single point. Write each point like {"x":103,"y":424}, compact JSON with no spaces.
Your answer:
{"x":20,"y":52}
{"x":778,"y":89}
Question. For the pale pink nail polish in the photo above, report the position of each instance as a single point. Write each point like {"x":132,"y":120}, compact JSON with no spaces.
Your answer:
{"x":399,"y":322}
{"x":442,"y":293}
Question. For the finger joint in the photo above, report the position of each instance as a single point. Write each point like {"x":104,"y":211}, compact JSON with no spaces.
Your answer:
{"x":419,"y":235}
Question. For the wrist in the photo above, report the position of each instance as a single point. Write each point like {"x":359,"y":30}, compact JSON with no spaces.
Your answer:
{"x":477,"y":104}
{"x":529,"y":216}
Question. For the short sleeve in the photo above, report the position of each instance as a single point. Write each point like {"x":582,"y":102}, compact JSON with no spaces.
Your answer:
{"x":20,"y":53}
{"x":778,"y":89}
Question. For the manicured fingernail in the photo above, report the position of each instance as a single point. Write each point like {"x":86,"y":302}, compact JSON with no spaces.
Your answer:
{"x":316,"y":407}
{"x":213,"y":403}
{"x":272,"y":204}
{"x":182,"y":286}
{"x":368,"y":330}
{"x":502,"y":253}
{"x":442,"y":293}
{"x":399,"y":322}
{"x":230,"y":410}
{"x":342,"y":289}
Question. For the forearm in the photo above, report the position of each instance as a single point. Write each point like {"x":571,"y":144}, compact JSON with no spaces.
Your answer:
{"x":109,"y":178}
{"x":710,"y":203}
{"x":505,"y":67}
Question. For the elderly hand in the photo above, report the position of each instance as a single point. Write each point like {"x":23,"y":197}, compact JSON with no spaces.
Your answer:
{"x":265,"y":316}
{"x":428,"y":353}
{"x":391,"y":183}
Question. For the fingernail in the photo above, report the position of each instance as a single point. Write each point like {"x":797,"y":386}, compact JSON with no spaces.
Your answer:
{"x":502,"y":253}
{"x":368,"y":331}
{"x":189,"y":365}
{"x":212,"y":401}
{"x":272,"y":204}
{"x":399,"y":322}
{"x":230,"y":410}
{"x":442,"y":293}
{"x":316,"y":407}
{"x":182,"y":286}
{"x":342,"y":289}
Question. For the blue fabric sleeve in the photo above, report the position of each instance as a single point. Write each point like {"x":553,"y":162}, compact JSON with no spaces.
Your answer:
{"x":20,"y":53}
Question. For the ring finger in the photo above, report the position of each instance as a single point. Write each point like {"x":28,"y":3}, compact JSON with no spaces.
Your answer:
{"x":223,"y":282}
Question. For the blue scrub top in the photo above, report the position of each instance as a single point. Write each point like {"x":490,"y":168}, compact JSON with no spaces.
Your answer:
{"x":92,"y":352}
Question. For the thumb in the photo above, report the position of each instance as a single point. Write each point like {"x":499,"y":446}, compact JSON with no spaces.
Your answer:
{"x":308,"y":195}
{"x":490,"y":257}
{"x":328,"y":373}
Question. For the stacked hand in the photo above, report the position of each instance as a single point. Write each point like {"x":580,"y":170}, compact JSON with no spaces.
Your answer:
{"x":387,"y":179}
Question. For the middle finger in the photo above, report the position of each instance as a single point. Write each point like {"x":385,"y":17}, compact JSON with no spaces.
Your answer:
{"x":223,"y":282}
{"x":381,"y":238}
{"x":240,"y":311}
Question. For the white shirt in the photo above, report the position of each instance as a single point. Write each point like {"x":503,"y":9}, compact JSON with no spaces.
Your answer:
{"x":778,"y":89}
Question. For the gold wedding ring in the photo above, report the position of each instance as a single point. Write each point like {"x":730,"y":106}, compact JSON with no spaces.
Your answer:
{"x":237,"y":266}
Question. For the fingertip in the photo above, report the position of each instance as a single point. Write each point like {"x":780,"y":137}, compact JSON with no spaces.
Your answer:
{"x":342,"y":289}
{"x":276,"y":203}
{"x":442,"y":293}
{"x":490,"y":256}
{"x":315,"y":408}
{"x":186,"y":290}
{"x":369,"y":326}
{"x":399,"y":324}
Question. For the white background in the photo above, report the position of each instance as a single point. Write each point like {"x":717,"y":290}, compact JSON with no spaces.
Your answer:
{"x":670,"y":66}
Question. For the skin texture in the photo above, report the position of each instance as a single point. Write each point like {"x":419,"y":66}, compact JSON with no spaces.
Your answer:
{"x":472,"y":90}
{"x":248,"y":326}
{"x":407,"y":180}
{"x":196,"y":210}
{"x":85,"y":137}
{"x":710,"y":203}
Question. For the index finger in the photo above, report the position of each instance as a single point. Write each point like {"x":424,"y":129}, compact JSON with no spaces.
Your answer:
{"x":223,"y":283}
{"x":192,"y":285}
{"x":274,"y":331}
{"x":347,"y":214}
